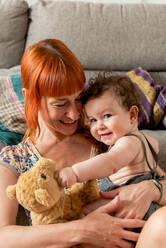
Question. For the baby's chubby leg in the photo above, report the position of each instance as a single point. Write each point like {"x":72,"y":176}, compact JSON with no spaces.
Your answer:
{"x":153,"y":233}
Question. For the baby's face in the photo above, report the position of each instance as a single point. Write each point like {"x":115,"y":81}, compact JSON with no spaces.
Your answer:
{"x":108,"y":120}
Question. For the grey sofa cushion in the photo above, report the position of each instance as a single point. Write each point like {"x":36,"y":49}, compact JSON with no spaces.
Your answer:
{"x":160,"y":135}
{"x":13,"y":70}
{"x":14,"y":24}
{"x":159,"y":77}
{"x":104,"y":35}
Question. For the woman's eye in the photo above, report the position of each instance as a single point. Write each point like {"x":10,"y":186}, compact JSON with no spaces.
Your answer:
{"x":106,"y":116}
{"x":59,"y":105}
{"x":78,"y":99}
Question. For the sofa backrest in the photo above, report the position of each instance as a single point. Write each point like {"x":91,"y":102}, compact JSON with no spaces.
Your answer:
{"x":13,"y":29}
{"x":104,"y":35}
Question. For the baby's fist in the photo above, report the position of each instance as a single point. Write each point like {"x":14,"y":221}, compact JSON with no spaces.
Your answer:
{"x":66,"y":177}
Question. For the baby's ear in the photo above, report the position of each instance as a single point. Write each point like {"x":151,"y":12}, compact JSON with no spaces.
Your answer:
{"x":11,"y":192}
{"x":133,"y":113}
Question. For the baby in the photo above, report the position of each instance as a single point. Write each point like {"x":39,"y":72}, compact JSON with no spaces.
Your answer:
{"x":112,"y":108}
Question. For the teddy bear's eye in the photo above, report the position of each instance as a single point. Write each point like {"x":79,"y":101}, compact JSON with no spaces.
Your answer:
{"x":43,"y":176}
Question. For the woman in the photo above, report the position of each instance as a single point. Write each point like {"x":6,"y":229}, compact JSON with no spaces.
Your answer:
{"x":52,"y":80}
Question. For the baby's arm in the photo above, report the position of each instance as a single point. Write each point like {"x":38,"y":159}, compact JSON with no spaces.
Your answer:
{"x":66,"y":177}
{"x":103,"y":165}
{"x":121,"y":154}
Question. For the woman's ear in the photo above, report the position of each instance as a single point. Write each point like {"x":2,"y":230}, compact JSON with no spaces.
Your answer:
{"x":24,"y":92}
{"x":133,"y":114}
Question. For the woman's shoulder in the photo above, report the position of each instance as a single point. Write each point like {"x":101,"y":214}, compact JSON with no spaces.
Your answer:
{"x":20,"y":156}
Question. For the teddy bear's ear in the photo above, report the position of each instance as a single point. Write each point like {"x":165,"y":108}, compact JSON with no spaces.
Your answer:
{"x":44,"y":198}
{"x":11,"y":192}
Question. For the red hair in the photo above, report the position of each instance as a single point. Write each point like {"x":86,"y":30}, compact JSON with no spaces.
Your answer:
{"x":48,"y":68}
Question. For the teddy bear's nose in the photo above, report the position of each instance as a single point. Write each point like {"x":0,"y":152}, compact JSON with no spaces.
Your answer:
{"x":43,"y":176}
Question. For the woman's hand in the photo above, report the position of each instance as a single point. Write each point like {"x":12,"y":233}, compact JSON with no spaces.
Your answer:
{"x":94,"y":205}
{"x":135,"y":199}
{"x":104,"y":230}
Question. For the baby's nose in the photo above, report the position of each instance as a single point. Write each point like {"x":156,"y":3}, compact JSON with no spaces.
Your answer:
{"x":100,"y":124}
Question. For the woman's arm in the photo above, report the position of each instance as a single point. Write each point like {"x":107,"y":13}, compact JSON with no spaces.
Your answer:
{"x":98,"y":228}
{"x":136,"y":198}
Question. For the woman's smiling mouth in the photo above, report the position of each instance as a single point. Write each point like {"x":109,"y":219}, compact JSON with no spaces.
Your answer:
{"x":69,"y":123}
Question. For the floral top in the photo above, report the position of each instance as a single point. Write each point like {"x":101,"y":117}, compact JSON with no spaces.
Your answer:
{"x":19,"y":158}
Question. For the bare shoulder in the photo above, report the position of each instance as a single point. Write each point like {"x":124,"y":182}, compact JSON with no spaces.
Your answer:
{"x":6,"y":176}
{"x":131,"y":144}
{"x":128,"y":141}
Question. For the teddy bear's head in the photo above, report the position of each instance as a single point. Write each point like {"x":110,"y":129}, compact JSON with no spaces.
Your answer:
{"x":36,"y":189}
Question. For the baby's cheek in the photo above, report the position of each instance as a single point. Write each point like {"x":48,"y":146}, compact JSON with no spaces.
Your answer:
{"x":94,"y":133}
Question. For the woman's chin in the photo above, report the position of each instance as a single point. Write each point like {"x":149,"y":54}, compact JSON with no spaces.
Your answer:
{"x":69,"y":128}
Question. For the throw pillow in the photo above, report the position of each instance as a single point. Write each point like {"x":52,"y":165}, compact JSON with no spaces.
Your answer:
{"x":12,"y":121}
{"x":14,"y":25}
{"x":153,"y":98}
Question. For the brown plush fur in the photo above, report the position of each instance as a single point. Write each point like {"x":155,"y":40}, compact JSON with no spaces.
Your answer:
{"x":38,"y":191}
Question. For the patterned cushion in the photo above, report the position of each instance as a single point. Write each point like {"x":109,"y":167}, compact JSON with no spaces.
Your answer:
{"x":153,"y":97}
{"x":12,"y":121}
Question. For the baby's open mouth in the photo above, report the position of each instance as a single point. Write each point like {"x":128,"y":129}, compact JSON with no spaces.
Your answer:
{"x":105,"y":134}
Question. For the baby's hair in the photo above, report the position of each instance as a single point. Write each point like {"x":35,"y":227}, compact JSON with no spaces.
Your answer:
{"x":121,"y":87}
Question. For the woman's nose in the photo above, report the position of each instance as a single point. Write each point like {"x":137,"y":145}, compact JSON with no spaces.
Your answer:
{"x":73,"y":113}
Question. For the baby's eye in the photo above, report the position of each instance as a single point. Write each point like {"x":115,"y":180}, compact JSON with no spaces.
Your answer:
{"x":106,"y":116}
{"x":92,"y":120}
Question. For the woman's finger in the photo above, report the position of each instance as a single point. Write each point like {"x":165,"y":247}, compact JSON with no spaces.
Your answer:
{"x":109,"y":194}
{"x":110,"y":207}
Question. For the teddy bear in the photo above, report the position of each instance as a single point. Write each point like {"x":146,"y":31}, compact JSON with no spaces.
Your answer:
{"x":38,"y":191}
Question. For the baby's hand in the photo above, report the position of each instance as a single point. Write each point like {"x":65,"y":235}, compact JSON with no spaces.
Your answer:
{"x":66,"y":177}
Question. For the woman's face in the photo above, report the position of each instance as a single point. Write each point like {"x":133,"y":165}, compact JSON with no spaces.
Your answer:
{"x":61,"y":114}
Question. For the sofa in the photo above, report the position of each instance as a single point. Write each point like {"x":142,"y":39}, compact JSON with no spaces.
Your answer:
{"x":121,"y":38}
{"x":105,"y":36}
